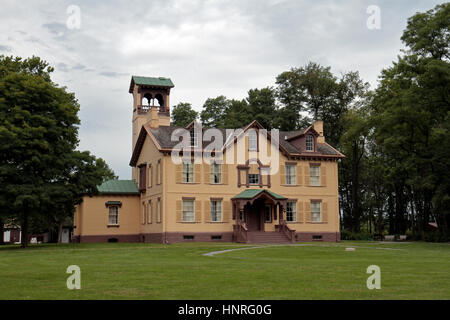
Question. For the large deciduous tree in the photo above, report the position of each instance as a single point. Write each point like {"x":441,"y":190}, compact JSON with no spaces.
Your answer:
{"x":41,"y":172}
{"x":182,"y":114}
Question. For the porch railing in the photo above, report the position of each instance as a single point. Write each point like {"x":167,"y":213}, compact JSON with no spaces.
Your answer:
{"x":240,"y":232}
{"x":289,"y":233}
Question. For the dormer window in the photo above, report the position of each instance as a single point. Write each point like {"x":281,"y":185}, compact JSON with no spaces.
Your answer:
{"x":252,"y":141}
{"x":309,"y":143}
{"x":194,"y":138}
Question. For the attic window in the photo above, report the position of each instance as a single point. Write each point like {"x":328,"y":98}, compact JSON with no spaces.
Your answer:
{"x":194,"y":138}
{"x":252,"y":141}
{"x":309,"y":143}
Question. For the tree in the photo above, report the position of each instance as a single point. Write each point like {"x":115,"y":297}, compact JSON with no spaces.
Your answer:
{"x":412,"y":106}
{"x":214,"y":112}
{"x":262,"y":107}
{"x":39,"y":166}
{"x":183,"y":114}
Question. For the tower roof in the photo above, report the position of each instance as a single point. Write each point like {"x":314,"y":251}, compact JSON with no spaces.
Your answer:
{"x":151,"y":81}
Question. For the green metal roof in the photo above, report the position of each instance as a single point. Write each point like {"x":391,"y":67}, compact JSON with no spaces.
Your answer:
{"x":153,"y":81}
{"x":118,"y":187}
{"x":251,"y":193}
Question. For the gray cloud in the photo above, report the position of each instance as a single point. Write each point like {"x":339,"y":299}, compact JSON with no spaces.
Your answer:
{"x":207,"y":48}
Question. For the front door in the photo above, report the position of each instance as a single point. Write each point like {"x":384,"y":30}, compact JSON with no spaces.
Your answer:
{"x":255,"y":217}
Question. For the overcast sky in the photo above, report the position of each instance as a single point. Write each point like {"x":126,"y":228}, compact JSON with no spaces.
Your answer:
{"x":207,"y":48}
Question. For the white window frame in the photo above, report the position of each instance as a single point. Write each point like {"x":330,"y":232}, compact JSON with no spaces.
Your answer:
{"x":314,"y":180}
{"x":188,"y":216}
{"x":216,"y":209}
{"x":309,"y":143}
{"x":291,"y":210}
{"x":187,"y":174}
{"x":216,"y":171}
{"x":193,"y":136}
{"x":317,"y":214}
{"x":114,"y":215}
{"x":291,"y":174}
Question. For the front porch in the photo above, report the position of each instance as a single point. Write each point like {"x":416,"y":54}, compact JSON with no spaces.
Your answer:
{"x":253,"y":210}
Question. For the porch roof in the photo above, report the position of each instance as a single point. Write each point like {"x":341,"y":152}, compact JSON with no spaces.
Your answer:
{"x":252,"y":193}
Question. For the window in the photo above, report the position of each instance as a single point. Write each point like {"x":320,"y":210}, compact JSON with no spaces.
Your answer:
{"x":144,"y":212}
{"x":186,"y":237}
{"x":194,"y":138}
{"x":113,"y":216}
{"x":188,"y":211}
{"x":216,"y":211}
{"x":216,"y":237}
{"x":159,"y":210}
{"x":291,"y":211}
{"x":316,"y":211}
{"x":158,"y":172}
{"x":150,"y":173}
{"x":252,"y":140}
{"x":142,"y":176}
{"x":291,"y":174}
{"x":253,"y":178}
{"x":149,"y":212}
{"x":309,"y":143}
{"x":216,"y":173}
{"x":314,"y":175}
{"x":188,"y":172}
{"x":268,"y":213}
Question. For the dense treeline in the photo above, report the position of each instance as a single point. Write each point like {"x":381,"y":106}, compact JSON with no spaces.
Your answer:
{"x":395,"y":177}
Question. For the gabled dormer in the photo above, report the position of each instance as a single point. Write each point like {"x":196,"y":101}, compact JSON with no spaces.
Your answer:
{"x":307,"y":141}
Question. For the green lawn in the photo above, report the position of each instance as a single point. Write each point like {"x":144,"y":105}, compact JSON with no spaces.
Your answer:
{"x":180,"y":271}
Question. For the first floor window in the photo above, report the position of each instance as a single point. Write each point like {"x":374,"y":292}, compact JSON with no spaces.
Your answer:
{"x":188,"y":172}
{"x":314,"y":175}
{"x":144,"y":211}
{"x":113,"y":217}
{"x":253,"y":178}
{"x":188,"y":211}
{"x":216,"y":211}
{"x":149,"y":212}
{"x":159,"y":210}
{"x":316,"y":211}
{"x":291,"y":211}
{"x":268,"y":213}
{"x":291,"y":175}
{"x":216,"y":173}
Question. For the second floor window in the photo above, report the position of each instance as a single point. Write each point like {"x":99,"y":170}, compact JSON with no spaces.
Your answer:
{"x":253,"y":178}
{"x":216,"y":211}
{"x":113,"y":216}
{"x":309,"y":143}
{"x":291,"y":174}
{"x":216,"y":173}
{"x":188,"y":172}
{"x":252,"y":140}
{"x":316,"y":211}
{"x":291,"y":211}
{"x":314,"y":175}
{"x":188,"y":211}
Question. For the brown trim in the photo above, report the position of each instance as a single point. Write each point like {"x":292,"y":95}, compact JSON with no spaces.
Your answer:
{"x":315,"y":164}
{"x":216,"y":199}
{"x":113,"y":226}
{"x":186,"y":198}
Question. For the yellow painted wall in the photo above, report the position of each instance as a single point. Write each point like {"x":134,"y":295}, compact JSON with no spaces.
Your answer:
{"x":92,"y":216}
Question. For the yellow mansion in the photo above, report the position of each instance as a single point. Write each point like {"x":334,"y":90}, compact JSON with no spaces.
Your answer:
{"x":196,"y":184}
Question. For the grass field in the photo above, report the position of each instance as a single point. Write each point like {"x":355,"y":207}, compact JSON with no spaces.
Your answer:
{"x":181,"y":271}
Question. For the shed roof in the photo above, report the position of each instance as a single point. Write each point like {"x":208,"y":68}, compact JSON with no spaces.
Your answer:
{"x":118,"y":187}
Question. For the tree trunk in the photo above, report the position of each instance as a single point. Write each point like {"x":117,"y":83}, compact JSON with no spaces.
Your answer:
{"x":60,"y":227}
{"x":24,"y":229}
{"x":2,"y":231}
